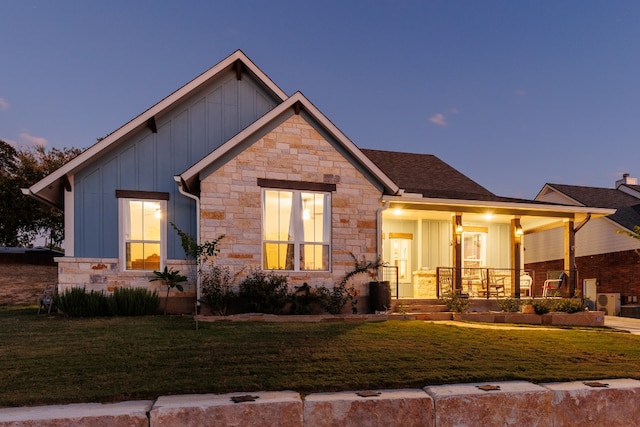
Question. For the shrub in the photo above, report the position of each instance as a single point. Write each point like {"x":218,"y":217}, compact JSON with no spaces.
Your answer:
{"x":542,"y":306}
{"x":217,"y":289}
{"x":133,"y":302}
{"x":568,"y":305}
{"x":455,"y":302}
{"x":77,"y":302}
{"x":263,"y":292}
{"x":307,"y":300}
{"x":510,"y":305}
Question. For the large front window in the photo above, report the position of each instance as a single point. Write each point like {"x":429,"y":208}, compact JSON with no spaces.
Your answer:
{"x":142,"y":234}
{"x":296,"y":230}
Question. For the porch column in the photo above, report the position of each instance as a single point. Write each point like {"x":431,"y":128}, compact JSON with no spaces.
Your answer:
{"x":515,"y":237}
{"x":570,"y":255}
{"x":457,"y":251}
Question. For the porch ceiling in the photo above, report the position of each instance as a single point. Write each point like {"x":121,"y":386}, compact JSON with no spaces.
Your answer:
{"x":531,"y":218}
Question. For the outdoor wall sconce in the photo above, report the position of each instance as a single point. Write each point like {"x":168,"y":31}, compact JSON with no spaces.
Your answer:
{"x":517,"y":230}
{"x":459,"y":229}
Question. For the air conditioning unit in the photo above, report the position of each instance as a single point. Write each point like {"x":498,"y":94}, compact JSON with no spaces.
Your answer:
{"x":609,"y":304}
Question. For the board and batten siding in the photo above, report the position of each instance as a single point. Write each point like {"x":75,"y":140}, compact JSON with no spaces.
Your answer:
{"x":148,"y":161}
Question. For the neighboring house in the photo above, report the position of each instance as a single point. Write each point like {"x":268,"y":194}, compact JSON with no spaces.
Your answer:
{"x":607,"y":258}
{"x":229,"y":153}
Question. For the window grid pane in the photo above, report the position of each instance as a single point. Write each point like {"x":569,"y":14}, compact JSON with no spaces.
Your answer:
{"x":142,"y":233}
{"x":296,"y":230}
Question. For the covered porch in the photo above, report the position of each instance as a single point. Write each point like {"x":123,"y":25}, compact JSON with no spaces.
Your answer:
{"x":475,"y":248}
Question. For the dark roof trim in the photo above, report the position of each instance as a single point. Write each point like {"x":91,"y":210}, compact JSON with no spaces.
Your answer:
{"x":146,"y":195}
{"x":296,"y":185}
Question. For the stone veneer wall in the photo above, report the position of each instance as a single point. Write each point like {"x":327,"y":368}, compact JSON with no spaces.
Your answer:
{"x":610,"y":403}
{"x":104,"y":274}
{"x":231,"y":200}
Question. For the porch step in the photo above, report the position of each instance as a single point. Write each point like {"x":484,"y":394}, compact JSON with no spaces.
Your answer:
{"x":445,"y":315}
{"x":413,"y":306}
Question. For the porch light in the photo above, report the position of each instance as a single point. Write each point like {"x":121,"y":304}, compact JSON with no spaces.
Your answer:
{"x":459,"y":229}
{"x":518,"y":231}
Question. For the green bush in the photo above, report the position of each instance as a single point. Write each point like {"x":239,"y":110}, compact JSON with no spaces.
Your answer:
{"x":510,"y":305}
{"x":217,"y":289}
{"x":308,"y":300}
{"x":568,"y":305}
{"x":133,"y":302}
{"x":455,"y":302}
{"x":77,"y":302}
{"x":263,"y":292}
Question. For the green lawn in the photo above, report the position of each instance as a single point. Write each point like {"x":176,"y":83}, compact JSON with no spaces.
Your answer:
{"x":50,"y":359}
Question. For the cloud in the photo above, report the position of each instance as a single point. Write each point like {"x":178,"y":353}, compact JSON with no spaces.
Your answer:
{"x":27,"y":139}
{"x":521,"y":92}
{"x":439,"y":120}
{"x":4,"y":105}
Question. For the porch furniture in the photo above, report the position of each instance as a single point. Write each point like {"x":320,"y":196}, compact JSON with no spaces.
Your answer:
{"x":492,"y":284}
{"x":445,"y":281}
{"x":553,"y":284}
{"x":525,"y":284}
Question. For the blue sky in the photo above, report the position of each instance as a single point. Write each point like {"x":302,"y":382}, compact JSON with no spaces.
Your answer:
{"x":513,"y":94}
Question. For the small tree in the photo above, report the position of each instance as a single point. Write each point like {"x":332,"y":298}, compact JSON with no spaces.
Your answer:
{"x":171,"y":279}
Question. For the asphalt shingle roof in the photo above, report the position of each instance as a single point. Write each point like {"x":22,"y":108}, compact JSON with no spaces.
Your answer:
{"x":628,"y":206}
{"x":426,"y":174}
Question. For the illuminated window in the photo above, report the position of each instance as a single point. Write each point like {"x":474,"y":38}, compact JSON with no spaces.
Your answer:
{"x":142,"y":232}
{"x":296,"y":230}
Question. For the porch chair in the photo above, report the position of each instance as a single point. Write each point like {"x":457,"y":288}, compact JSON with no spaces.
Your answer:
{"x":445,"y":280}
{"x":525,"y":284}
{"x":553,"y":284}
{"x":492,"y":283}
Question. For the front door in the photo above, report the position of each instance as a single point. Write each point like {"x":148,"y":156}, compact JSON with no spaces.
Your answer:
{"x":401,"y":258}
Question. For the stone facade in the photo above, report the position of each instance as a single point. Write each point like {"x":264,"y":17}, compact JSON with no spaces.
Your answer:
{"x":105,"y":274}
{"x":294,"y":151}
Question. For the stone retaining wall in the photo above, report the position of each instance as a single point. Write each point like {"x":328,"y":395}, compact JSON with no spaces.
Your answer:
{"x":612,"y":402}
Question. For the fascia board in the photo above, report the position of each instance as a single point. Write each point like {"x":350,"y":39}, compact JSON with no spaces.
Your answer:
{"x":141,"y":120}
{"x":508,"y":206}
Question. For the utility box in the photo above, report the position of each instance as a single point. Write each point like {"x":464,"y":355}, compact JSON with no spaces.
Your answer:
{"x":609,"y":304}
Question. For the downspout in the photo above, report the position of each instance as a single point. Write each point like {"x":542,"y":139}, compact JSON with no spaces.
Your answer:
{"x":583,"y":223}
{"x":385,"y":206}
{"x":185,"y":193}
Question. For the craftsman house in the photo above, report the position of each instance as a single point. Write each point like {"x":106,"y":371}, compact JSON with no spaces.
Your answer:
{"x":230,"y":153}
{"x":607,"y":260}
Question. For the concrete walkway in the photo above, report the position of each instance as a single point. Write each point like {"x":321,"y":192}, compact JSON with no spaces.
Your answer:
{"x":624,"y":323}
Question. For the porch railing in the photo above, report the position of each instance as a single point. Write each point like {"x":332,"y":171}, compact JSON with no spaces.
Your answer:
{"x":390,"y":274}
{"x":486,"y":282}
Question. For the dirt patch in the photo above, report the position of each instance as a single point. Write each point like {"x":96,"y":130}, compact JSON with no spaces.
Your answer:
{"x":22,"y":284}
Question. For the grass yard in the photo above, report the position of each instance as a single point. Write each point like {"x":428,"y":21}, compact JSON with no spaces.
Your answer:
{"x":50,"y":359}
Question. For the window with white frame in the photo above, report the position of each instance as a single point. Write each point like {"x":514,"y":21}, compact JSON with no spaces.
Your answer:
{"x":142,"y":233}
{"x":296,"y":230}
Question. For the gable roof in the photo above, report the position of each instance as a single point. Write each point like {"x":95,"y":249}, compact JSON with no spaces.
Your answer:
{"x":297,"y":103}
{"x":627,"y":206}
{"x":50,"y":188}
